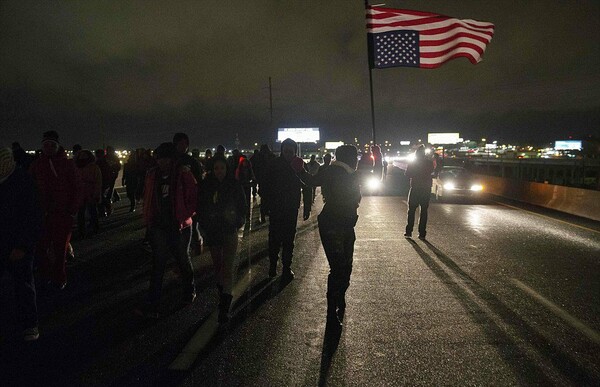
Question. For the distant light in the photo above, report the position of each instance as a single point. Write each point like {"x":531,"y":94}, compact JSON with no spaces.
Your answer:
{"x":449,"y":186}
{"x":373,"y":183}
{"x":476,"y":187}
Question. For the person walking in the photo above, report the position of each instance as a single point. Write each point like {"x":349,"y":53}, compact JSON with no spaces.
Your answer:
{"x":20,"y":224}
{"x":282,"y":188}
{"x":91,"y":180}
{"x":131,"y":179}
{"x":182,"y":144}
{"x":260,"y":165}
{"x":340,"y":187}
{"x":170,"y":197}
{"x":419,"y":172}
{"x":313,"y":168}
{"x":59,"y":188}
{"x":245,"y":176}
{"x":221,"y":212}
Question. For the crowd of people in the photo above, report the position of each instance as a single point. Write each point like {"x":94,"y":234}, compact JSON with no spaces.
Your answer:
{"x":189,"y":202}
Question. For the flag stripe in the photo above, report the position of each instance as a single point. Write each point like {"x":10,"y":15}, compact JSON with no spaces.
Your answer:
{"x":442,"y":39}
{"x":395,"y":11}
{"x":435,"y":25}
{"x":438,"y":52}
{"x":439,"y":38}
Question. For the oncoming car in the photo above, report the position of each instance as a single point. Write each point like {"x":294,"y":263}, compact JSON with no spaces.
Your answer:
{"x":454,"y":182}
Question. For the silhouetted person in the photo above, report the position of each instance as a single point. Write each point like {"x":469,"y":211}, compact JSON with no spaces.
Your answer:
{"x":131,"y":179}
{"x":260,"y":165}
{"x":340,"y":186}
{"x":91,"y":181}
{"x":221,"y":212}
{"x":313,"y":168}
{"x":182,"y":144}
{"x":59,"y":187}
{"x":20,"y":224}
{"x":22,"y":158}
{"x":419,"y":172}
{"x":170,"y":199}
{"x":282,"y":188}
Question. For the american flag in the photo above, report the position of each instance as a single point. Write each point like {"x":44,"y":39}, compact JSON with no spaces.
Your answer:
{"x":399,"y":37}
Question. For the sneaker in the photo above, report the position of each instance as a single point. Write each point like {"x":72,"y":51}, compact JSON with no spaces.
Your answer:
{"x":408,"y":234}
{"x":422,"y":237}
{"x":31,"y":334}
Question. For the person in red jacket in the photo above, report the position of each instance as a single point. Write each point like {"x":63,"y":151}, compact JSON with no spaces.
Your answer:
{"x":59,"y":188}
{"x":170,"y":197}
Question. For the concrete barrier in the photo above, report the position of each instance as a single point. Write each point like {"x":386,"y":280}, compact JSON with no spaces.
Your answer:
{"x":576,"y":201}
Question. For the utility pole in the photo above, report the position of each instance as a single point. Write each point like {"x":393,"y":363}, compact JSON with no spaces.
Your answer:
{"x":270,"y":102}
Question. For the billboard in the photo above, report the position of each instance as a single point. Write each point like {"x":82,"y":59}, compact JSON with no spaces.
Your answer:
{"x":333,"y":144}
{"x":567,"y":145}
{"x":298,"y":134}
{"x":443,"y":138}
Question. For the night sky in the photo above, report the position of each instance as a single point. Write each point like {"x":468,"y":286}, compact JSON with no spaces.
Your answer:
{"x":133,"y":73}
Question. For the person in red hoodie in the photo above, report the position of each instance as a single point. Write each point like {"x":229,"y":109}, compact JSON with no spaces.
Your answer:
{"x":170,"y":196}
{"x":59,"y":188}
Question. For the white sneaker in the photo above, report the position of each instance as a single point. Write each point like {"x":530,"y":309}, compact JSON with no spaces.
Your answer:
{"x":31,"y":334}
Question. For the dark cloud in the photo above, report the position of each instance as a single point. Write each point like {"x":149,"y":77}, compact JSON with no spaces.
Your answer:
{"x":131,"y":73}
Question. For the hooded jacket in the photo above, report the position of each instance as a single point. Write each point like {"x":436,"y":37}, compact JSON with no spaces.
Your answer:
{"x":183,"y":185}
{"x":91,"y":177}
{"x":58,"y":183}
{"x":340,"y":186}
{"x":282,"y":187}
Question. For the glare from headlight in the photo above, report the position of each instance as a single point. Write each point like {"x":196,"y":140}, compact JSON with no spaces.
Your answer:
{"x":449,"y":186}
{"x":373,"y":183}
{"x":476,"y":187}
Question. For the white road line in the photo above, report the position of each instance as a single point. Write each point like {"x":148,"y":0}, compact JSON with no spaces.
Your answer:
{"x":547,"y":217}
{"x":573,"y":321}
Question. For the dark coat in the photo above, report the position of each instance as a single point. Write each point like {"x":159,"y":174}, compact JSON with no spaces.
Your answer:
{"x":58,"y":183}
{"x":340,"y":187}
{"x":282,"y":187}
{"x":21,"y":216}
{"x":221,"y":208}
{"x":419,"y":172}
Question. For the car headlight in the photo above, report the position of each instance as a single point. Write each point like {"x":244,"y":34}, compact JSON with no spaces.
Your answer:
{"x":476,"y":187}
{"x":449,"y":186}
{"x":373,"y":183}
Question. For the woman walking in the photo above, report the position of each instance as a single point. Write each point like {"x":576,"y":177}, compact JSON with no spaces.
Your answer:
{"x":222,"y":210}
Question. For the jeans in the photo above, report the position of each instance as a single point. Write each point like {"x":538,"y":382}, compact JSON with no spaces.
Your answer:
{"x":223,"y":257}
{"x":282,"y":231}
{"x":22,"y":273}
{"x":170,"y":243}
{"x":418,"y":198}
{"x":338,"y":243}
{"x":92,"y":210}
{"x":51,"y":250}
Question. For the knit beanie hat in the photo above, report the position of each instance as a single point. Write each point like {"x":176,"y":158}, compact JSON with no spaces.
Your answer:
{"x":7,"y":163}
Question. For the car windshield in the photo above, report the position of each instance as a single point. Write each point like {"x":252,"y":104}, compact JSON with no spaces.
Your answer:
{"x":455,"y":173}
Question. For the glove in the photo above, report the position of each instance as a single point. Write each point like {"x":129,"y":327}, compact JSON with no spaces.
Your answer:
{"x":297,"y":164}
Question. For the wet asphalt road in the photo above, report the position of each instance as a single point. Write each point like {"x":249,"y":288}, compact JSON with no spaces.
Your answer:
{"x":498,"y":295}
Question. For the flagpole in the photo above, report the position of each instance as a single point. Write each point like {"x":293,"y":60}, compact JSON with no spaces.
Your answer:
{"x":371,"y":87}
